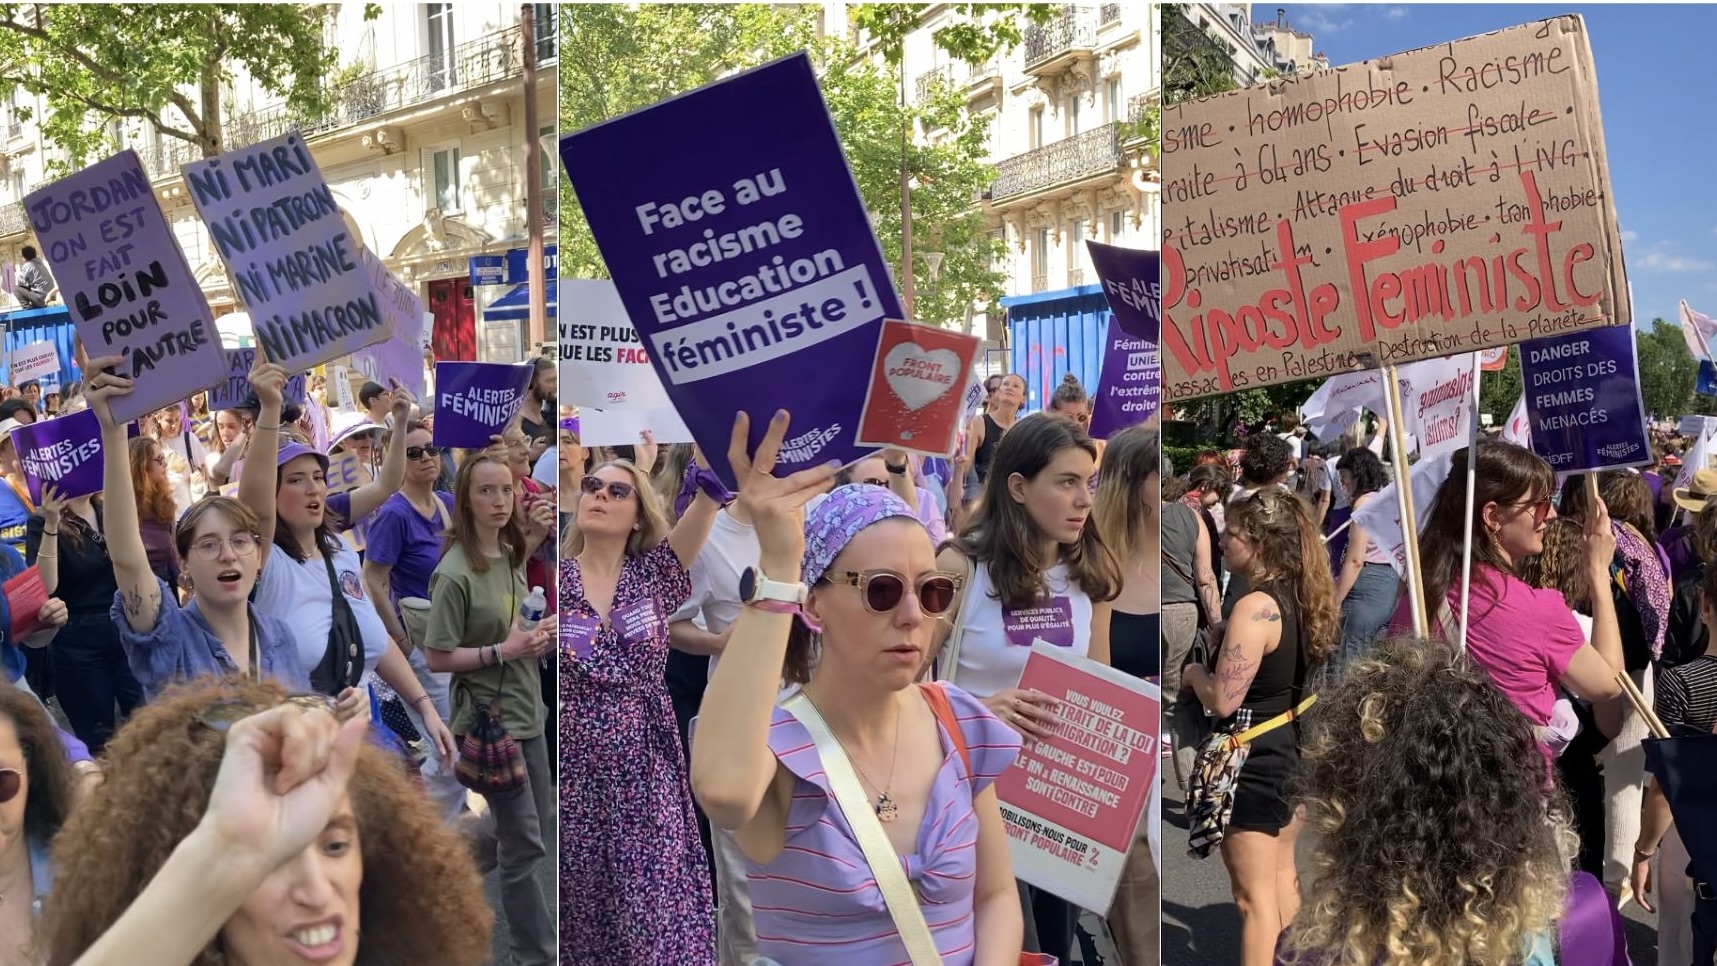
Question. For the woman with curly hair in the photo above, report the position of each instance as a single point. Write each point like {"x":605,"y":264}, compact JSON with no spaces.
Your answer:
{"x":1367,"y":586}
{"x":37,"y":791}
{"x":333,"y":848}
{"x":1435,"y":839}
{"x":1277,"y":636}
{"x":156,"y":510}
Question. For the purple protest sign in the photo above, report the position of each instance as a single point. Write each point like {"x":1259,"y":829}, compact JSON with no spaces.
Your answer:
{"x":1132,"y":283}
{"x":1051,"y":623}
{"x":752,"y":277}
{"x":126,"y":282}
{"x":277,"y":228}
{"x":578,"y":636}
{"x":476,"y":400}
{"x":1583,"y":401}
{"x":231,"y":391}
{"x":64,"y":451}
{"x":400,"y":356}
{"x":1130,"y":384}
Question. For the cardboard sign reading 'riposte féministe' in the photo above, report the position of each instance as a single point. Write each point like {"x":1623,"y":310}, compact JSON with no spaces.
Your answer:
{"x":1441,"y":201}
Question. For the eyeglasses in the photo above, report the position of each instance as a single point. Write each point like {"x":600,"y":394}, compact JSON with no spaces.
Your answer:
{"x":158,"y":460}
{"x":883,"y":590}
{"x":593,"y":485}
{"x":415,"y":453}
{"x":11,"y":783}
{"x":1540,"y":509}
{"x":209,"y":548}
{"x":222,"y":715}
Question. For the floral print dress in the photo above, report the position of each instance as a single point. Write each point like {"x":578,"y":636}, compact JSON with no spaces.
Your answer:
{"x":634,"y":879}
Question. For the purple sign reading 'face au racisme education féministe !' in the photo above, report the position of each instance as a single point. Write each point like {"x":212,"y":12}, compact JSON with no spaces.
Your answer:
{"x":64,"y":451}
{"x":751,"y":272}
{"x":1583,"y":400}
{"x":126,"y":282}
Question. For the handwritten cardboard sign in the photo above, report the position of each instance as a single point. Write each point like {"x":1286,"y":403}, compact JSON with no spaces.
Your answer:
{"x":234,"y":388}
{"x":280,"y":233}
{"x":126,"y":282}
{"x":1446,"y":200}
{"x":400,"y":356}
{"x":346,"y":471}
{"x":1072,"y":802}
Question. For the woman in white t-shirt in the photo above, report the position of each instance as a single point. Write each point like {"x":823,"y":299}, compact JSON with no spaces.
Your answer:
{"x":186,"y":458}
{"x":1037,"y":572}
{"x":306,"y":560}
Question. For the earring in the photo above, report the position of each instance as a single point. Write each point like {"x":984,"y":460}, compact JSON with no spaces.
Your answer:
{"x":637,"y":526}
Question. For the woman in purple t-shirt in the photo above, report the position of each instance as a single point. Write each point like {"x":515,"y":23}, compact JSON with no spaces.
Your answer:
{"x":1527,"y":639}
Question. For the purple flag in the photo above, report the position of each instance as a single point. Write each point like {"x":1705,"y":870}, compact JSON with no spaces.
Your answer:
{"x":64,"y":451}
{"x":1583,"y":400}
{"x":1130,"y":385}
{"x":476,"y":400}
{"x":1132,"y":282}
{"x":231,"y":391}
{"x":752,"y":277}
{"x":126,"y":282}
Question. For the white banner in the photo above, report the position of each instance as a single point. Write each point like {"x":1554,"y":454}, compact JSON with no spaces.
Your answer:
{"x":622,"y":427}
{"x":34,"y":361}
{"x":1380,"y":517}
{"x":1336,"y":406}
{"x":602,"y":362}
{"x":1697,"y":458}
{"x":1437,"y":402}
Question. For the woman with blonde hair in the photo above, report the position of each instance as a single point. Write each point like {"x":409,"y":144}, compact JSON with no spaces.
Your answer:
{"x":1435,"y":839}
{"x":475,"y":634}
{"x":634,"y":879}
{"x":1276,"y":638}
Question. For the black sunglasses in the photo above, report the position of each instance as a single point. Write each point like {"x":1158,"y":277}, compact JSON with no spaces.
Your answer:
{"x":11,"y":783}
{"x":617,"y":490}
{"x":415,"y":453}
{"x":883,"y":590}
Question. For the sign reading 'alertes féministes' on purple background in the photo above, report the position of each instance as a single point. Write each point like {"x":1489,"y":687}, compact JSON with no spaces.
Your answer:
{"x":751,"y":274}
{"x":64,"y":451}
{"x":1582,"y":397}
{"x":1129,"y":387}
{"x":476,"y":400}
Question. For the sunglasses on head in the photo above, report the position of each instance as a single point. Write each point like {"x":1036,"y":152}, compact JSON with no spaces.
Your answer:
{"x":415,"y":453}
{"x":883,"y":590}
{"x":617,"y":490}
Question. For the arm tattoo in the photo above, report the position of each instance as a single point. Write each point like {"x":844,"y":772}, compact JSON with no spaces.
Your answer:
{"x":1267,"y":614}
{"x":1236,"y":678}
{"x":134,"y":604}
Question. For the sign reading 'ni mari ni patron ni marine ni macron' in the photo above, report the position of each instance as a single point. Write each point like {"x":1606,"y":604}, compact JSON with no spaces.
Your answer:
{"x":1441,"y":201}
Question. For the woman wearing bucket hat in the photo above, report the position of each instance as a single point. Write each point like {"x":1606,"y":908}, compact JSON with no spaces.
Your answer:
{"x":862,"y":754}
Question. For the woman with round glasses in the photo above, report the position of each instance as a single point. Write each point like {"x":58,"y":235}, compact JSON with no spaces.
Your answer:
{"x":854,"y":636}
{"x":1527,"y":639}
{"x":1033,"y":570}
{"x":634,"y":878}
{"x":274,"y":836}
{"x":157,"y":510}
{"x":37,"y":791}
{"x":217,"y":631}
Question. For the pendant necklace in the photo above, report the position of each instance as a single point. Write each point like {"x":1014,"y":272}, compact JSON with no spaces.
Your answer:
{"x":886,"y":809}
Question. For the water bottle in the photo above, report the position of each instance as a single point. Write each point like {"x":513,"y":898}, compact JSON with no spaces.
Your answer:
{"x":531,"y":611}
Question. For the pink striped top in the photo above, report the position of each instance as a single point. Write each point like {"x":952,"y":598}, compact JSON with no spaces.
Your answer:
{"x":818,"y":898}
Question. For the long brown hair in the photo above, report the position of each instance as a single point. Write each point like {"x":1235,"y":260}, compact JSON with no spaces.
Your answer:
{"x":154,"y":500}
{"x":1002,"y":535}
{"x":464,"y":532}
{"x":1505,"y":474}
{"x":1132,"y":457}
{"x":1290,"y":552}
{"x":1628,"y":500}
{"x":162,"y":764}
{"x":1562,"y":565}
{"x":53,"y":786}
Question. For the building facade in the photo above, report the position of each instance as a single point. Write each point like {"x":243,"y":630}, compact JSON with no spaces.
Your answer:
{"x":423,"y":145}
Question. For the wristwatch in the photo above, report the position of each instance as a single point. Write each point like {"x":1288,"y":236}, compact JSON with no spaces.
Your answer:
{"x":895,"y":469}
{"x":756,"y":590}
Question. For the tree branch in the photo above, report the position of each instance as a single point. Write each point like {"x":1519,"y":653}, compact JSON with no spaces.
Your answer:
{"x":110,"y":76}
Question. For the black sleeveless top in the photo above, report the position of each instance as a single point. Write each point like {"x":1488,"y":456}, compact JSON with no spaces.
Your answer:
{"x":986,"y":453}
{"x":1281,"y":678}
{"x":1135,"y":644}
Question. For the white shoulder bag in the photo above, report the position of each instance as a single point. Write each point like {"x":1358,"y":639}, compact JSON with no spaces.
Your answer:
{"x":948,"y":661}
{"x":884,"y":861}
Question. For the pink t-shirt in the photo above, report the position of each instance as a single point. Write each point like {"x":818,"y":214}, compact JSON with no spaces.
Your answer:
{"x":1524,"y":638}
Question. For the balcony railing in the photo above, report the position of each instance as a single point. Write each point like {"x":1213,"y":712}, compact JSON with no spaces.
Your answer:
{"x":977,"y":73}
{"x":13,"y":220}
{"x":14,"y":131}
{"x":1075,"y":277}
{"x":1040,"y":282}
{"x":1094,"y":152}
{"x":486,"y":60}
{"x":929,"y":79}
{"x":1074,"y":29}
{"x":1108,"y":13}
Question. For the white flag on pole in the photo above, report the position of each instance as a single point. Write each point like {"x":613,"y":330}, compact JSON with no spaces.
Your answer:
{"x":1437,"y":402}
{"x":1336,"y":406}
{"x":1697,"y":458}
{"x":1698,"y":330}
{"x":1518,"y":429}
{"x":1380,"y":517}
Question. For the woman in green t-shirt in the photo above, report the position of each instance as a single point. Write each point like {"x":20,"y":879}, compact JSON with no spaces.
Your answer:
{"x":474,"y":633}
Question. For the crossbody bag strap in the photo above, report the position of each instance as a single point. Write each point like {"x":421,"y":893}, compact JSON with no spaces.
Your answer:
{"x":884,"y":862}
{"x":948,"y":662}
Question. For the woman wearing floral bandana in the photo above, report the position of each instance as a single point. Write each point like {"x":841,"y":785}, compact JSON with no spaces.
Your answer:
{"x":855,"y":641}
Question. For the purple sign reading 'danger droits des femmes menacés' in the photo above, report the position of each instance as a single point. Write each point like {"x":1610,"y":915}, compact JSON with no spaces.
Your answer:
{"x":232,"y":391}
{"x":280,"y":233}
{"x":64,"y":451}
{"x":1582,"y":397}
{"x":1132,"y":283}
{"x":752,"y":276}
{"x":126,"y":283}
{"x":476,"y":400}
{"x":1130,"y":385}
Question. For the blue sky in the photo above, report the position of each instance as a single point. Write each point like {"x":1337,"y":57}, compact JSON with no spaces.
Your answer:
{"x":1655,"y":89}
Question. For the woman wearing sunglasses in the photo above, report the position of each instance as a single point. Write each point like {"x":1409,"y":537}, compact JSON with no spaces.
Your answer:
{"x":1527,"y":639}
{"x":217,"y":631}
{"x":474,"y":635}
{"x":634,"y":877}
{"x":157,"y":510}
{"x":275,"y":836}
{"x":854,"y":635}
{"x":37,"y":792}
{"x":1033,"y":569}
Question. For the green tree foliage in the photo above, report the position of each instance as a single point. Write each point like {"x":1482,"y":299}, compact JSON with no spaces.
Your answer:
{"x":630,"y":57}
{"x":1667,"y":373}
{"x":162,"y":64}
{"x":1499,"y":391}
{"x":1193,"y":64}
